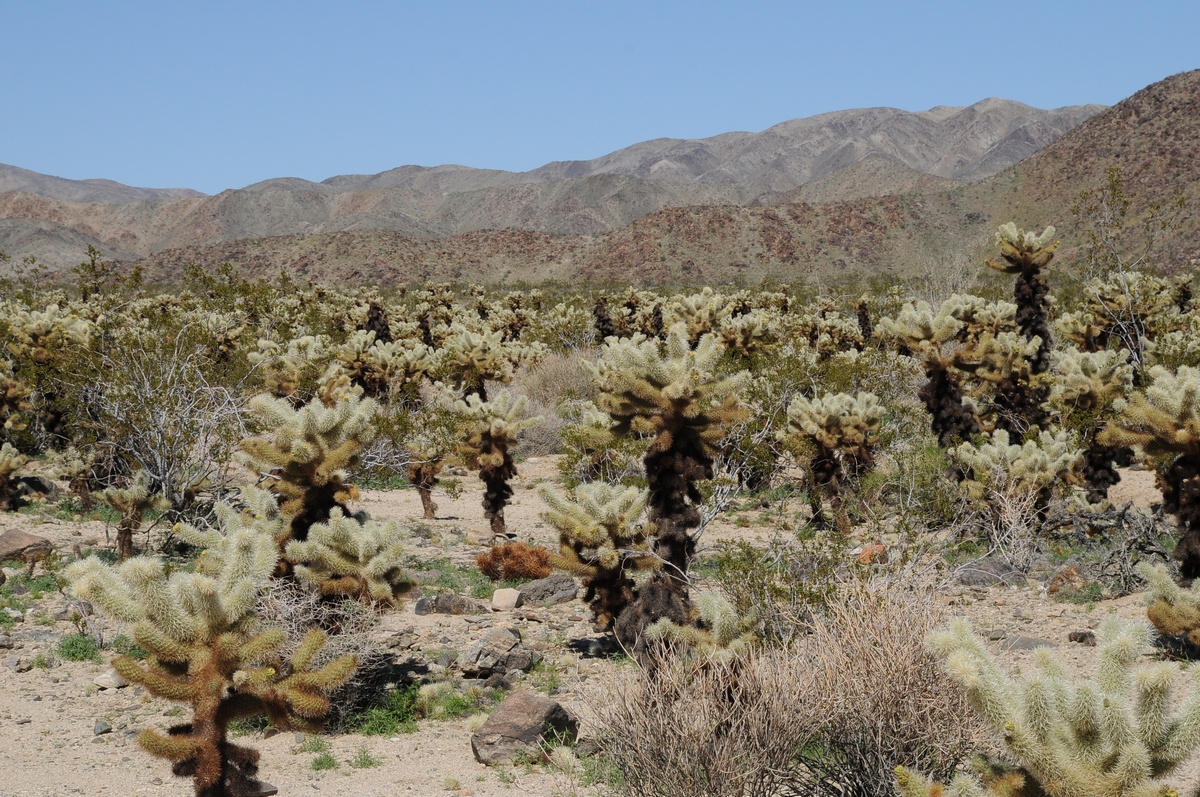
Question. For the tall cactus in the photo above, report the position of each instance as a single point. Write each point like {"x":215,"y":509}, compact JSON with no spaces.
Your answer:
{"x":207,"y":650}
{"x":673,"y":394}
{"x":1112,"y":735}
{"x":601,"y":540}
{"x":1163,"y":423}
{"x":491,"y":433}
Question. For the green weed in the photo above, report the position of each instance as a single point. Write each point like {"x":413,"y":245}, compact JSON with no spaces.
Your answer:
{"x":79,"y":647}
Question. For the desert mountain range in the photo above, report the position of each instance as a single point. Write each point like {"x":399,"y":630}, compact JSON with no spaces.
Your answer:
{"x":865,"y":190}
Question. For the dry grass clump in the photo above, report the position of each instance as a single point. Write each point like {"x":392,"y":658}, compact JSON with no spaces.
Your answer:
{"x":554,"y":379}
{"x":830,"y":714}
{"x":288,"y":605}
{"x":514,"y":561}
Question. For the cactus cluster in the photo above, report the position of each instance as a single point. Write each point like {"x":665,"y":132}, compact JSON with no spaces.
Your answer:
{"x":1112,"y":734}
{"x":206,"y":649}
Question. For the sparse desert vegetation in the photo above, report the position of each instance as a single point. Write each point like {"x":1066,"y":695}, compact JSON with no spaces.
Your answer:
{"x":643,"y":542}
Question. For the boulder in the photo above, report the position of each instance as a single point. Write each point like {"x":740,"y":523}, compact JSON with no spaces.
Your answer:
{"x":447,"y":603}
{"x":558,"y":588}
{"x":499,"y":652}
{"x":110,"y":680}
{"x":522,"y":724}
{"x":20,"y":546}
{"x":505,"y":599}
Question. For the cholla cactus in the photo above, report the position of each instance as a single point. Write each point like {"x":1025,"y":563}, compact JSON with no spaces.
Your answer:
{"x":345,"y":558}
{"x":718,"y":632}
{"x":1174,"y":610}
{"x":206,"y":649}
{"x":14,"y":399}
{"x":1113,"y":734}
{"x":919,"y":332}
{"x":307,"y":451}
{"x":749,"y":333}
{"x":38,"y":335}
{"x":699,"y":313}
{"x":844,"y":430}
{"x":676,"y":397}
{"x":292,"y":372}
{"x":1164,"y":423}
{"x":1007,"y":468}
{"x":1082,"y":330}
{"x":601,"y":540}
{"x":492,"y":428}
{"x":473,"y":358}
{"x":132,"y":502}
{"x":11,"y":461}
{"x":1086,"y":385}
{"x":1025,"y":254}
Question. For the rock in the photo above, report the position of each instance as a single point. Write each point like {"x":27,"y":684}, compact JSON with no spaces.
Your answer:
{"x":447,"y":603}
{"x":505,"y":599}
{"x":870,"y":554}
{"x":499,"y":652}
{"x":1086,"y":638}
{"x":555,"y":589}
{"x":101,"y":727}
{"x":6,"y":642}
{"x":22,"y":546}
{"x":110,"y":680}
{"x":987,"y":572}
{"x":15,"y":614}
{"x":520,"y":725}
{"x":18,"y":663}
{"x":1068,"y":581}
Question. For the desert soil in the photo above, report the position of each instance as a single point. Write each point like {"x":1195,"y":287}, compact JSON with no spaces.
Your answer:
{"x":49,"y":715}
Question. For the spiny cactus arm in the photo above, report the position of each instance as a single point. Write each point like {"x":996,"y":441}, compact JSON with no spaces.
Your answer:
{"x":1021,"y":250}
{"x":173,"y":747}
{"x":155,"y":679}
{"x":1172,"y":609}
{"x":1165,"y":419}
{"x":913,"y":784}
{"x":94,"y":581}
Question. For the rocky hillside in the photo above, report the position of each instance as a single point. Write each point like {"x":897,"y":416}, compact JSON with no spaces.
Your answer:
{"x":834,"y":157}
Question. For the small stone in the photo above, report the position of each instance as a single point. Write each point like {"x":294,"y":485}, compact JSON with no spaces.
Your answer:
{"x":1086,"y":638}
{"x":101,"y":727}
{"x":996,"y":635}
{"x":16,"y":615}
{"x":447,"y":603}
{"x":111,"y":679}
{"x":506,"y":599}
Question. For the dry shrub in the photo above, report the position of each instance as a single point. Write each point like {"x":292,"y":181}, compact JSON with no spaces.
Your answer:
{"x":877,"y":697}
{"x":832,"y":713}
{"x":556,"y":378}
{"x":514,"y":561}
{"x":681,"y":728}
{"x":297,"y":610}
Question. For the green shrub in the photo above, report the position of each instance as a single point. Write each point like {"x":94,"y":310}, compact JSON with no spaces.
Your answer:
{"x":79,"y":647}
{"x":396,"y":715}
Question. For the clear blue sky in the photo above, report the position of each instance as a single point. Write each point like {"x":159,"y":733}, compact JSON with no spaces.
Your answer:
{"x":213,"y":95}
